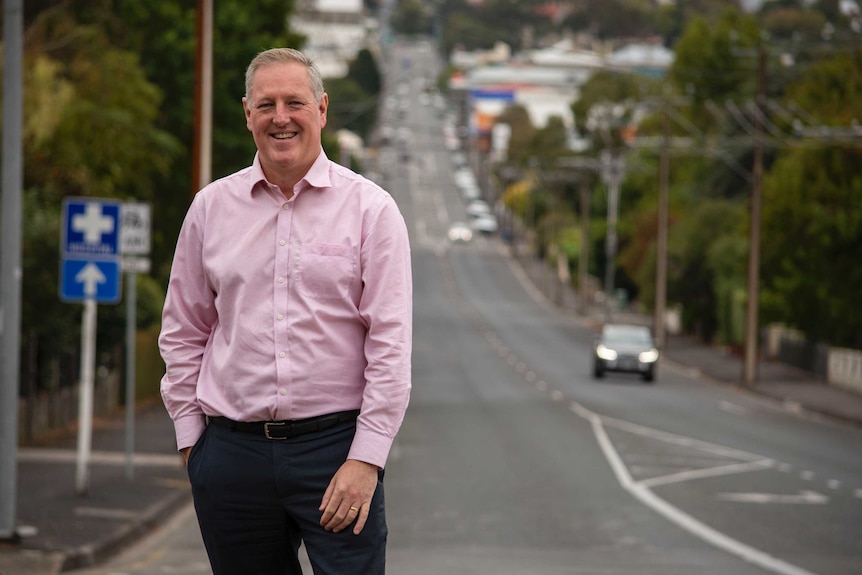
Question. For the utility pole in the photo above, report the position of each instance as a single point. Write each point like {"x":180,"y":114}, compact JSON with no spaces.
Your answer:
{"x":202,"y":146}
{"x":10,"y":264}
{"x":661,"y":239}
{"x":613,"y":169}
{"x":749,"y":375}
{"x":584,"y":252}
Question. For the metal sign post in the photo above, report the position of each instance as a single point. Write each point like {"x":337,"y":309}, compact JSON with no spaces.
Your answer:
{"x":89,"y":273}
{"x":85,"y":401}
{"x":135,"y":240}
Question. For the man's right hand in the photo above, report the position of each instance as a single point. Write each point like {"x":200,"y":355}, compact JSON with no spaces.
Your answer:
{"x":185,"y":453}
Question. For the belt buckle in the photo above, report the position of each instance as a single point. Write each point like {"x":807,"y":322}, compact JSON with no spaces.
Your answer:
{"x":274,"y":424}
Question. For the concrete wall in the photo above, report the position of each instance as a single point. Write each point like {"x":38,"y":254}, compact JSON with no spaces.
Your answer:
{"x":840,"y":367}
{"x":845,"y":369}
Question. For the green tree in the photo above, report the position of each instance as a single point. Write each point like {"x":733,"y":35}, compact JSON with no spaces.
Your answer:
{"x":90,"y":129}
{"x":518,"y":119}
{"x":812,"y":215}
{"x":714,"y":61}
{"x":363,"y":69}
{"x":693,"y":279}
{"x":412,"y":18}
{"x":350,"y":107}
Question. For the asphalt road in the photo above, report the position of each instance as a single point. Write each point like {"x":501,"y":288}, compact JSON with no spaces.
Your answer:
{"x":513,"y":460}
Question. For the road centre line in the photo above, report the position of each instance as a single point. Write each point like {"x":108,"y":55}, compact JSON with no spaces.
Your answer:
{"x":645,"y":495}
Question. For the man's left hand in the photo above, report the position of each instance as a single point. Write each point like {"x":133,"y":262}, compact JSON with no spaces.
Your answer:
{"x":348,"y":497}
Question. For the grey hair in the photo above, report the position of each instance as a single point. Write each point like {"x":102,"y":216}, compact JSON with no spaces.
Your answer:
{"x":285,"y":56}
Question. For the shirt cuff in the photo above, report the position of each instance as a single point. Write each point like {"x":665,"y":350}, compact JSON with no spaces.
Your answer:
{"x":370,"y":447}
{"x":189,"y":429}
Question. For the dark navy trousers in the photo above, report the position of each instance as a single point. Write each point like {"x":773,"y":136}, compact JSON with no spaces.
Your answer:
{"x":257,"y":500}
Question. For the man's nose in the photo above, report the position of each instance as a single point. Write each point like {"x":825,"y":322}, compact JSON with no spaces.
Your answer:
{"x":282,"y":113}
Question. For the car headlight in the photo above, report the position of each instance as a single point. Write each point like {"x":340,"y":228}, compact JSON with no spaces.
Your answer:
{"x":648,"y":356}
{"x":606,"y":353}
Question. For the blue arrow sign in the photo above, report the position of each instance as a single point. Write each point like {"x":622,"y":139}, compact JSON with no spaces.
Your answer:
{"x":90,"y":227}
{"x":82,"y":279}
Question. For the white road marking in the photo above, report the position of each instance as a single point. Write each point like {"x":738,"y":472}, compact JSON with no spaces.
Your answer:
{"x":48,"y":455}
{"x":732,"y":408}
{"x":709,"y":472}
{"x":803,"y":497}
{"x":645,"y":495}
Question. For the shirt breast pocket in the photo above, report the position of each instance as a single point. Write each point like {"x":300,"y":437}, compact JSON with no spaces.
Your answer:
{"x":325,"y":271}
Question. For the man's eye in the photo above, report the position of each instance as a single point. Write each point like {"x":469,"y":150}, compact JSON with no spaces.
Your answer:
{"x":295,"y":105}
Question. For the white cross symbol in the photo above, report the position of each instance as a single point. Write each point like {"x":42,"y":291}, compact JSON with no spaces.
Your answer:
{"x":92,"y":223}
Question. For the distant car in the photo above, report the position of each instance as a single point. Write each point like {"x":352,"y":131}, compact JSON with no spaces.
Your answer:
{"x":459,"y":232}
{"x":485,"y":223}
{"x":478,"y":208}
{"x":625,"y":348}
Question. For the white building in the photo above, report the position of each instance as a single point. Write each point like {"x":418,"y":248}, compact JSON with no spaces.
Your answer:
{"x":335,"y":31}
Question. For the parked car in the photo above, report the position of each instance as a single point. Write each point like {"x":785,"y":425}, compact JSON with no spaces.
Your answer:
{"x":485,"y":223}
{"x":478,"y":208}
{"x":625,"y":348}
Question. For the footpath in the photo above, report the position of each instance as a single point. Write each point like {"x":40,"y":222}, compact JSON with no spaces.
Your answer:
{"x":68,"y":531}
{"x":64,"y":531}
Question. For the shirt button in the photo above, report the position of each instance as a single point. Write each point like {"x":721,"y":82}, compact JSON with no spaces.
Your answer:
{"x":280,"y":317}
{"x":281,"y":280}
{"x":283,"y":391}
{"x":282,"y":242}
{"x":282,"y":354}
{"x":286,"y":206}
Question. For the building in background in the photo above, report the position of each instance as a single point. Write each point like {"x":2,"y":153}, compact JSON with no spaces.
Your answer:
{"x":335,"y":31}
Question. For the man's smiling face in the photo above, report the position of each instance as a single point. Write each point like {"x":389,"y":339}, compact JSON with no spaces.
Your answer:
{"x":285,"y":120}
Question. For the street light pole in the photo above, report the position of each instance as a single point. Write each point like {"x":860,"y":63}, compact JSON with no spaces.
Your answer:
{"x":10,"y":263}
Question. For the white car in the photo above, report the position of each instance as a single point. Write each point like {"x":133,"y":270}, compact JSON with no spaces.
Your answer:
{"x":485,"y":223}
{"x":478,"y":208}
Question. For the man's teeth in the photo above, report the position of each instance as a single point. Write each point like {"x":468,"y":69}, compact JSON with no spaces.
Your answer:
{"x":284,"y":136}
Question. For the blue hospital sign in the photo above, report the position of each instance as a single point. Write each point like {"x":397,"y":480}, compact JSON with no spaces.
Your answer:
{"x":90,"y":268}
{"x":91,"y":228}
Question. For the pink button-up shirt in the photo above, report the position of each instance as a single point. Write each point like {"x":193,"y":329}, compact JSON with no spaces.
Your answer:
{"x":287,"y":309}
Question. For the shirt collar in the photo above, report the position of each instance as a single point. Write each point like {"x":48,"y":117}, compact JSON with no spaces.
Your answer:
{"x":316,"y":177}
{"x":318,"y":174}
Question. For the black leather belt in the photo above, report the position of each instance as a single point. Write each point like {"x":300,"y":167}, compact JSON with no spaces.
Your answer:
{"x":289,"y":428}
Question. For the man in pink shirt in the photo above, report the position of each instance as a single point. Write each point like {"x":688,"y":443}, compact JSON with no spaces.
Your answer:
{"x":287,"y":334}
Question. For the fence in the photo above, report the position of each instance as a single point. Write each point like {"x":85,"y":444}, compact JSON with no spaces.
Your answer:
{"x":48,"y":412}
